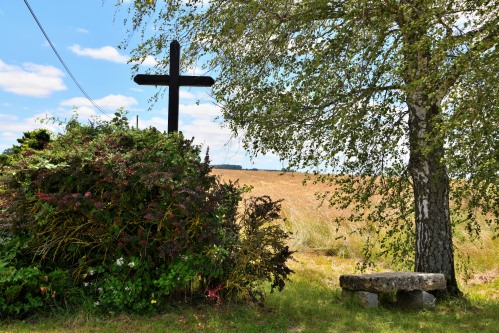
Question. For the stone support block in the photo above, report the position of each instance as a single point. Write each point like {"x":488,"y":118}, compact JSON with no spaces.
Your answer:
{"x":415,"y":299}
{"x":363,"y":298}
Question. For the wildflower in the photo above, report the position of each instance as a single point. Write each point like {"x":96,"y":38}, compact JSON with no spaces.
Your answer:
{"x":92,"y":272}
{"x":120,"y":261}
{"x":153,"y":301}
{"x":96,"y":303}
{"x":131,"y":264}
{"x":213,"y":294}
{"x":85,"y":284}
{"x":84,"y":276}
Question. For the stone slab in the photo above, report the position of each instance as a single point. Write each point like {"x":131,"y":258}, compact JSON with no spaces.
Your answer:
{"x":393,"y":282}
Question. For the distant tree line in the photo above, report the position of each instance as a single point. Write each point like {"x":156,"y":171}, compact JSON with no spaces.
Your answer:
{"x":239,"y":167}
{"x":227,"y":166}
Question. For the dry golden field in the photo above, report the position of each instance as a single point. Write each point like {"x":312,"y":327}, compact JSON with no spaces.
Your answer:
{"x":310,"y":223}
{"x":313,"y":232}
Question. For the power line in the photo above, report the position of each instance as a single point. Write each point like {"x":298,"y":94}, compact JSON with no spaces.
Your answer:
{"x":62,"y":61}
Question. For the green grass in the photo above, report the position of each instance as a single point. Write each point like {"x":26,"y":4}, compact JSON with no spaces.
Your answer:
{"x":309,"y":303}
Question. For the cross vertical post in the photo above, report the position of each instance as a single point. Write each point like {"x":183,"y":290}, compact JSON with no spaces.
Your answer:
{"x":173,"y":92}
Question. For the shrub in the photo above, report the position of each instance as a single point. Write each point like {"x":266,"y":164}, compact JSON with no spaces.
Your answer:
{"x":138,"y":219}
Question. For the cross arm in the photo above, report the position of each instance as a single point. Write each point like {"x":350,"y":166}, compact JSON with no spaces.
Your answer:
{"x":196,"y":81}
{"x":152,"y":80}
{"x":164,"y":80}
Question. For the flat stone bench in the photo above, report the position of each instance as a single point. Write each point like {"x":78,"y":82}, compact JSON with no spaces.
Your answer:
{"x":411,"y":288}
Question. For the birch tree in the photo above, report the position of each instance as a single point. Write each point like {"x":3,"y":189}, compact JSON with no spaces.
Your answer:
{"x":398,"y":96}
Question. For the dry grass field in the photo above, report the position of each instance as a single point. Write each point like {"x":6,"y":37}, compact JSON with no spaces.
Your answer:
{"x":314,"y":233}
{"x":311,"y":225}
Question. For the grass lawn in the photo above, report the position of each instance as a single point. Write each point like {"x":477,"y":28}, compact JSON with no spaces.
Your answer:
{"x":309,"y":303}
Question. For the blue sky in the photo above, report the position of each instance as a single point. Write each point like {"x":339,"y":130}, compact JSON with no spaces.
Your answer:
{"x":34,"y":84}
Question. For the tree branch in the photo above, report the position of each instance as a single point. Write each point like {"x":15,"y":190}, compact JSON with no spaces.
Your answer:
{"x":485,"y":44}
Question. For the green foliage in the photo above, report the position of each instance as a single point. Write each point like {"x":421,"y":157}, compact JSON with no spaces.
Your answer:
{"x":36,"y":139}
{"x":24,"y":286}
{"x":137,"y":219}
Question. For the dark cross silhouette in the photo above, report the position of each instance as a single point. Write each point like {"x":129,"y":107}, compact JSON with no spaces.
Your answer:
{"x":174,"y":81}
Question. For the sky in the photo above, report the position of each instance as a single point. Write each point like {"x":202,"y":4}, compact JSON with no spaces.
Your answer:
{"x":34,"y":84}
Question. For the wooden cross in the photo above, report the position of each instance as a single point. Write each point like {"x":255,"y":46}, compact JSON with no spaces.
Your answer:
{"x":174,"y":81}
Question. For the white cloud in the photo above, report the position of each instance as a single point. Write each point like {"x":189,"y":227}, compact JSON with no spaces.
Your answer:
{"x":18,"y":125}
{"x":108,"y":53}
{"x":82,"y":30}
{"x":205,"y":111}
{"x":85,"y":112}
{"x":186,"y":95}
{"x":195,"y":71}
{"x":31,"y":79}
{"x":150,"y":61}
{"x":7,"y":117}
{"x":110,"y":102}
{"x":160,"y":123}
{"x":9,"y":135}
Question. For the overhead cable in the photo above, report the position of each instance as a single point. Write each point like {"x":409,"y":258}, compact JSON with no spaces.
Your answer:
{"x":62,"y":61}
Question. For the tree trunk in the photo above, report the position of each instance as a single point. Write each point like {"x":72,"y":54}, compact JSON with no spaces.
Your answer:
{"x":434,"y":249}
